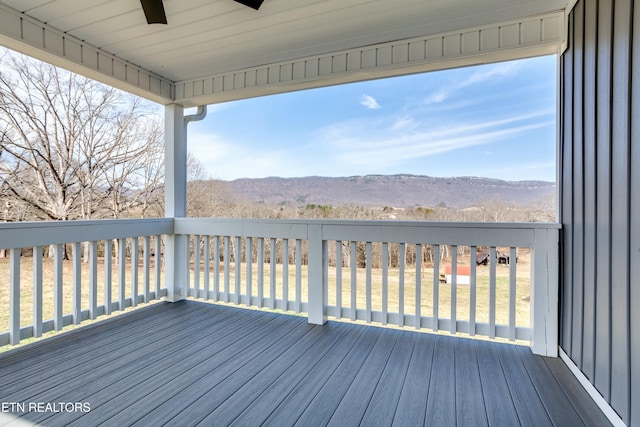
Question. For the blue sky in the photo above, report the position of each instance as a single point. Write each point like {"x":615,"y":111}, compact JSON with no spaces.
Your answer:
{"x":496,"y":120}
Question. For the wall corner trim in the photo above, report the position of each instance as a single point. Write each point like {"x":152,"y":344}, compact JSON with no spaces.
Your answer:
{"x":604,"y":406}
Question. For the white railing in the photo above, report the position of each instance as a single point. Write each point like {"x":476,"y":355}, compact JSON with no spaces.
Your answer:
{"x":387,"y":272}
{"x":347,"y":270}
{"x":98,"y":260}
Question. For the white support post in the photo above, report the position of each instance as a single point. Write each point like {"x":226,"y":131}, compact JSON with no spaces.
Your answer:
{"x":544,"y":293}
{"x":317,"y":296}
{"x":175,"y":200}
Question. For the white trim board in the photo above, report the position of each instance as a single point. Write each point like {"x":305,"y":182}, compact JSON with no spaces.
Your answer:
{"x":608,"y":411}
{"x":515,"y":39}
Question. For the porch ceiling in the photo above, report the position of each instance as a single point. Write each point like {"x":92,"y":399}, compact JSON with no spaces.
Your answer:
{"x":204,"y":39}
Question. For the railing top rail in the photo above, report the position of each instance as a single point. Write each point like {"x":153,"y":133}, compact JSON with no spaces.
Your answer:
{"x":43,"y":233}
{"x":395,"y":223}
{"x":462,"y":233}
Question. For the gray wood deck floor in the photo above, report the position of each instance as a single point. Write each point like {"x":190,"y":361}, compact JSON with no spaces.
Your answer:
{"x":192,"y":363}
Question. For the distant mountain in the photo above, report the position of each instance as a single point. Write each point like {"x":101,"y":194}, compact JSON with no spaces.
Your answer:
{"x":389,"y":190}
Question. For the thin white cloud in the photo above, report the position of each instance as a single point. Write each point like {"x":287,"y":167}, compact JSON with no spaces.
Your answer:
{"x":369,"y":102}
{"x":379,"y":144}
{"x":482,"y":75}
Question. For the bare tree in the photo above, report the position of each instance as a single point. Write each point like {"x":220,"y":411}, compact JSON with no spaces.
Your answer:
{"x":206,"y":197}
{"x":70,"y":146}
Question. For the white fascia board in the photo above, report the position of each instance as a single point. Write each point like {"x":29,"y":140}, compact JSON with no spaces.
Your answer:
{"x":41,"y":41}
{"x":515,"y":39}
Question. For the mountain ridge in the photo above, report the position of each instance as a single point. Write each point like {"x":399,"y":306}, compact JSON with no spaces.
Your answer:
{"x":399,"y":190}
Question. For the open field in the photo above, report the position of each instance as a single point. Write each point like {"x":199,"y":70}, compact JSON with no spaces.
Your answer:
{"x":463,"y":293}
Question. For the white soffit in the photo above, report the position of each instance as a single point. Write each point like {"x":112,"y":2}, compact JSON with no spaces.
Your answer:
{"x":218,"y":50}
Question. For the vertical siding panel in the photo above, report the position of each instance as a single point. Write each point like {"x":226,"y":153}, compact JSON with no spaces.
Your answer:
{"x":608,"y":328}
{"x":634,"y":296}
{"x":620,"y":372}
{"x":588,"y":348}
{"x":566,"y":213}
{"x":578,"y":185}
{"x":602,"y":368}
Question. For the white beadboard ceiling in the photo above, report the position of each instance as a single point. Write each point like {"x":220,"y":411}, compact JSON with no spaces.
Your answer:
{"x":209,"y":38}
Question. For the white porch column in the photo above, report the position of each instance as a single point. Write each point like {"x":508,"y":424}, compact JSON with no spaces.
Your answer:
{"x":544,"y":292}
{"x":318,"y":286}
{"x":175,"y":199}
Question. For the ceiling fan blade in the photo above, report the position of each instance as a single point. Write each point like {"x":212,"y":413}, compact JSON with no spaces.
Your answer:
{"x":154,"y":11}
{"x":255,"y":4}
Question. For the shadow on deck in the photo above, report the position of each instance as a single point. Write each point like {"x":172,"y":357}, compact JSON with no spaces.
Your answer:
{"x":194,"y":363}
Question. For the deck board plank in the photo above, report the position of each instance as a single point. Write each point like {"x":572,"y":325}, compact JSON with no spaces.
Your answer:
{"x":208,"y":390}
{"x":549,"y":390}
{"x":531,"y":411}
{"x":384,"y":401}
{"x":324,"y":404}
{"x":470,"y":406}
{"x":275,"y":381}
{"x":291,"y":408}
{"x":441,"y":407}
{"x":354,"y":404}
{"x":192,"y":362}
{"x":412,"y":403}
{"x":295,"y":386}
{"x":578,"y":397}
{"x":499,"y":405}
{"x":172,"y":397}
{"x":48,"y":385}
{"x":129,"y":387}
